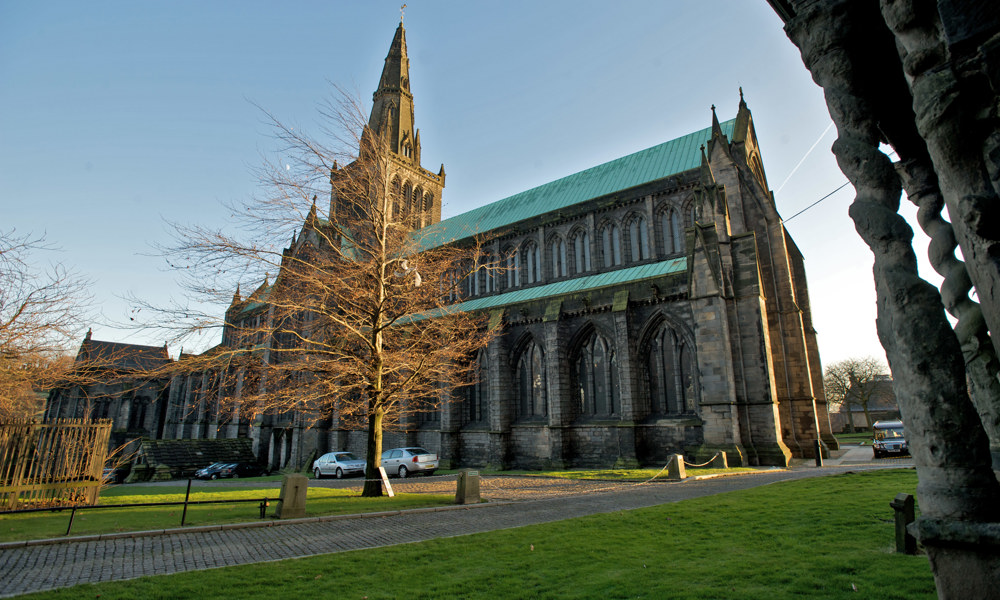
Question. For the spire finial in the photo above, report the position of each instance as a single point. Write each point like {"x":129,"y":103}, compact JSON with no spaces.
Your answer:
{"x":713,"y":108}
{"x":741,"y":93}
{"x":402,"y":11}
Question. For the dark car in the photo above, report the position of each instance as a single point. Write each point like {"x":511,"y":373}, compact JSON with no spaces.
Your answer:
{"x":214,"y":471}
{"x":221,"y":470}
{"x":247,"y":469}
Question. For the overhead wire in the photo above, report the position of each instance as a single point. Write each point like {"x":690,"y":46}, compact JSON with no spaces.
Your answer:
{"x":842,"y":186}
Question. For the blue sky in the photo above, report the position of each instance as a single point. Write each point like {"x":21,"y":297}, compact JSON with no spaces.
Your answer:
{"x":116,"y":117}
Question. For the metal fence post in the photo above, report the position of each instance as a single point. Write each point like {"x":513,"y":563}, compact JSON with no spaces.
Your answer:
{"x":186,"y":496}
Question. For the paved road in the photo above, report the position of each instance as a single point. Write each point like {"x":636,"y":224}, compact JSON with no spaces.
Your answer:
{"x":29,"y":567}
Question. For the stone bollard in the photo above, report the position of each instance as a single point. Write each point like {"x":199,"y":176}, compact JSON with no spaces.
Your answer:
{"x":292,"y":501}
{"x":675,"y":468}
{"x":902,"y":504}
{"x":719,"y":461}
{"x":467,"y":491}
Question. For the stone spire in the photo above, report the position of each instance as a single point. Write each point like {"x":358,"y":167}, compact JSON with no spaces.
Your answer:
{"x":392,"y":102}
{"x":717,"y":136}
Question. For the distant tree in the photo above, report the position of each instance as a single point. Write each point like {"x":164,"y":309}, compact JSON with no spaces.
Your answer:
{"x":41,"y":311}
{"x":360,"y":322}
{"x":856,"y":382}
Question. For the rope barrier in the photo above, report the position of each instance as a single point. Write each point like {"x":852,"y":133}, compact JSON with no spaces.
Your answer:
{"x":494,"y":485}
{"x":704,"y":464}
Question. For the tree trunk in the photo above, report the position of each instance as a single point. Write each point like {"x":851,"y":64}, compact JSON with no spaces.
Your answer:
{"x":373,"y":479}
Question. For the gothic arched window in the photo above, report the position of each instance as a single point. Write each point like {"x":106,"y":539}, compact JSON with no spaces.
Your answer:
{"x":558,"y":249}
{"x":638,"y":240}
{"x":474,"y":283}
{"x":529,"y":377}
{"x":611,"y":245}
{"x":477,"y":393}
{"x":670,"y":373}
{"x":407,"y":198}
{"x":670,"y":224}
{"x":689,"y":216}
{"x":512,"y":269}
{"x":395,"y":202}
{"x":596,"y":378}
{"x":487,"y":274}
{"x":581,"y":252}
{"x":532,"y":263}
{"x":414,"y":212}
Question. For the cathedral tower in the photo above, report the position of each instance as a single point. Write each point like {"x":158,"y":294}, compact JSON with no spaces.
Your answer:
{"x":416,"y":192}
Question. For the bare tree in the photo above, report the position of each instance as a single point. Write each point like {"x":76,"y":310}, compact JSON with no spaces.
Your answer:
{"x":856,"y":382}
{"x":41,"y":311}
{"x":363,"y":321}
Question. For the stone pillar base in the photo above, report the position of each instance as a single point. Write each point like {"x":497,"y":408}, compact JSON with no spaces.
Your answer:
{"x":964,"y":556}
{"x":775,"y":454}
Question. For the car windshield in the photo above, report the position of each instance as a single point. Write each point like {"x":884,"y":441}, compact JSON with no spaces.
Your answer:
{"x":346,"y":456}
{"x":883,"y":434}
{"x":417,"y":451}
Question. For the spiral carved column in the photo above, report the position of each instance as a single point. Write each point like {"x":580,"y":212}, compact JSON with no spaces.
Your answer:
{"x":849,"y":51}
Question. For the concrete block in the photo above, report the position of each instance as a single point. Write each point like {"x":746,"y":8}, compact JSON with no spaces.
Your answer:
{"x":467,"y":491}
{"x":293,"y":497}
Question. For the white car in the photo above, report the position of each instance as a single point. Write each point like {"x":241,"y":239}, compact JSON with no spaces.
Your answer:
{"x":338,"y":464}
{"x":403,"y":461}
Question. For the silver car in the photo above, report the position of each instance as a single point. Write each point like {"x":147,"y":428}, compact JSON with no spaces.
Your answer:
{"x":403,"y":461}
{"x":338,"y":464}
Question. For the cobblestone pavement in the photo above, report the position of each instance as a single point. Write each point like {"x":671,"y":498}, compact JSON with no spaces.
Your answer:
{"x":28,"y":567}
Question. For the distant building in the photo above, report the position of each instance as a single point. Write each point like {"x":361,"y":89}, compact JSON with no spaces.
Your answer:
{"x":117,"y":387}
{"x":651,"y":305}
{"x":882,"y":405}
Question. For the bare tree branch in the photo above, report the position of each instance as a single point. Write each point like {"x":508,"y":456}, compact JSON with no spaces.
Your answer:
{"x":359,"y":323}
{"x":41,"y":311}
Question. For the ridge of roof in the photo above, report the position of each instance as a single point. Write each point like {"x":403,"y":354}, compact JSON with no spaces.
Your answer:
{"x":663,"y":160}
{"x":122,"y":355}
{"x":586,"y":283}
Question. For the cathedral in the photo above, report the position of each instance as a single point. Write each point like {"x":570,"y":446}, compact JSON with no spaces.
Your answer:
{"x":651,"y":305}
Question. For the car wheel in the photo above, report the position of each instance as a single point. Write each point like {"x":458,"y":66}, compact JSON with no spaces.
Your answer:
{"x":318,"y":473}
{"x":214,"y":476}
{"x":236,"y":476}
{"x":340,"y":473}
{"x":403,"y":472}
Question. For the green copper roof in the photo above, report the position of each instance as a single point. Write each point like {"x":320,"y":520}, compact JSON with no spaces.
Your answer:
{"x":664,"y":160}
{"x":571,"y":286}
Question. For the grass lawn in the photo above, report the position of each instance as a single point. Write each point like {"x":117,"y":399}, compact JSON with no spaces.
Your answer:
{"x":828,"y":537}
{"x":854,"y":438}
{"x":320,"y":501}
